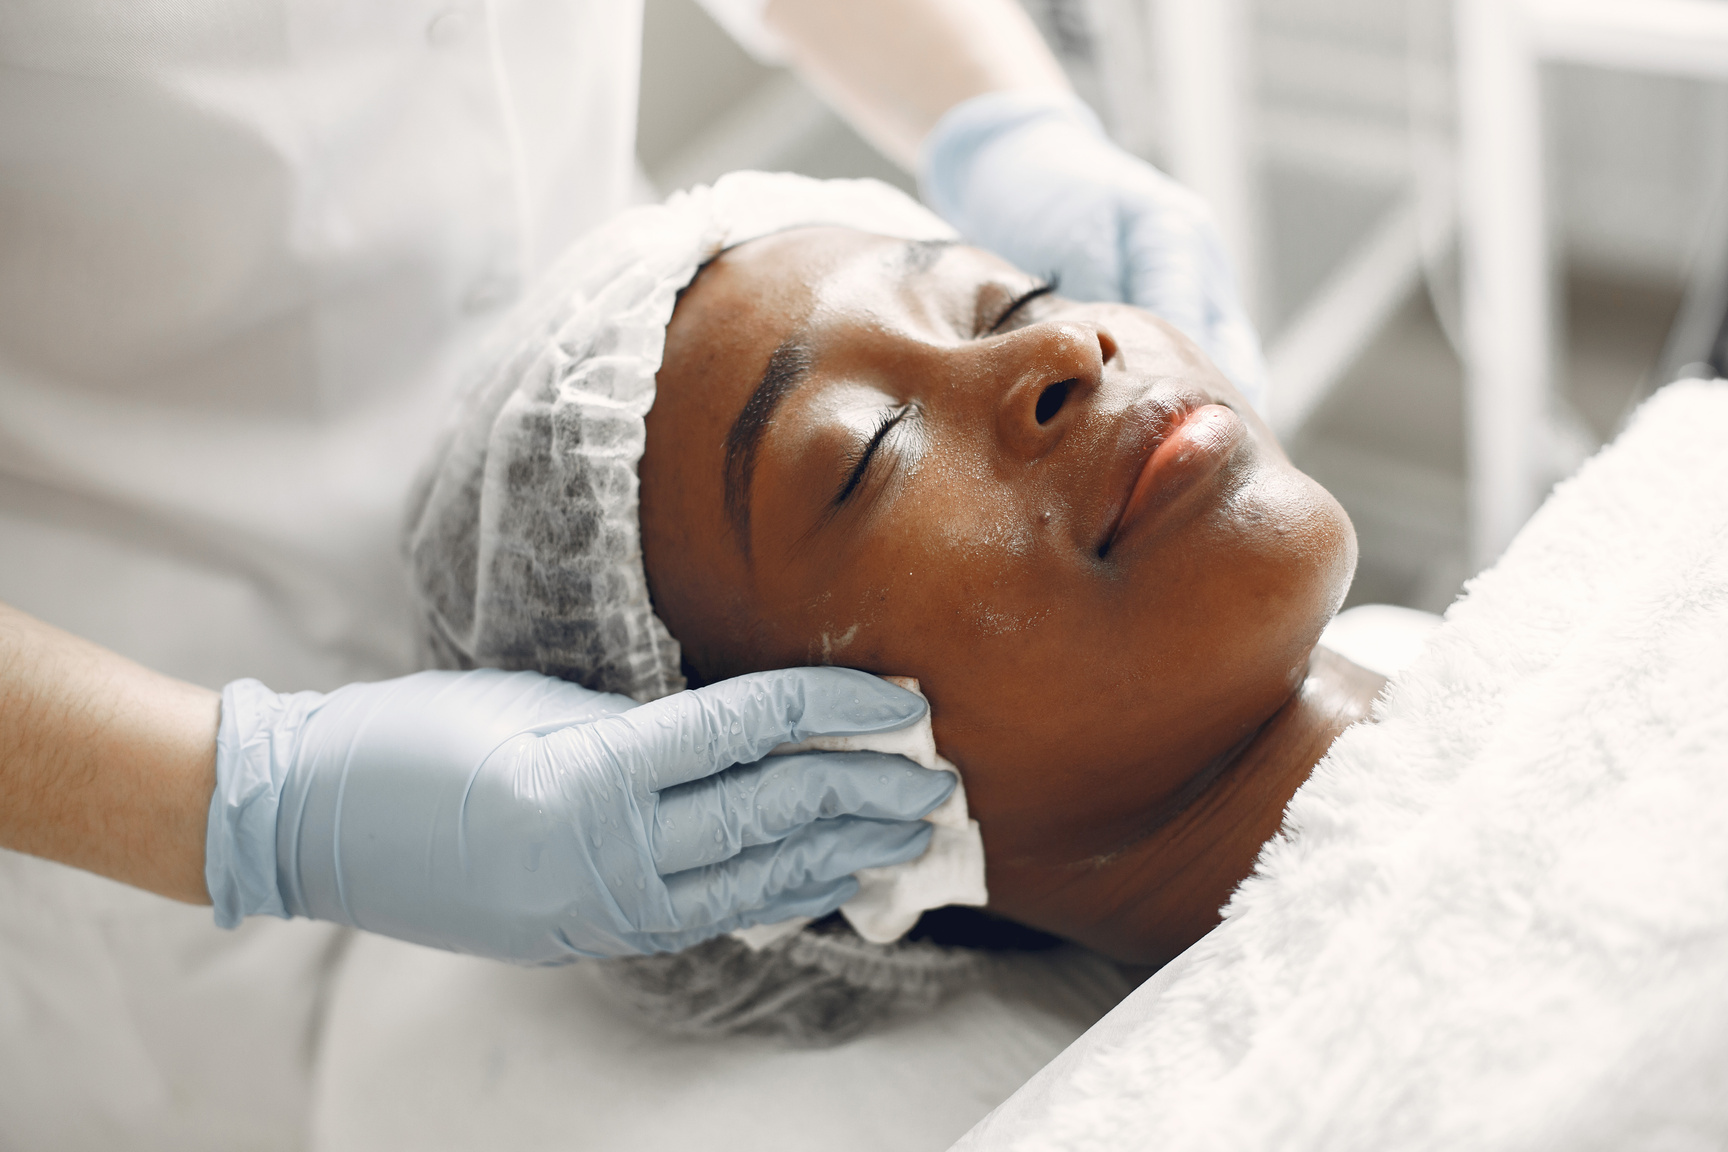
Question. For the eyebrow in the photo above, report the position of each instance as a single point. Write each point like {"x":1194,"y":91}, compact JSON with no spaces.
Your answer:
{"x":787,"y":369}
{"x":921,"y":255}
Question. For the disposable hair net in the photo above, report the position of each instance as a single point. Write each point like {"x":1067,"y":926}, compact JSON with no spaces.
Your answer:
{"x":524,"y":544}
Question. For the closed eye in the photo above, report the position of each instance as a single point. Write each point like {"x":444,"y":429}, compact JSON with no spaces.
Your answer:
{"x":1019,"y":302}
{"x":861,"y":464}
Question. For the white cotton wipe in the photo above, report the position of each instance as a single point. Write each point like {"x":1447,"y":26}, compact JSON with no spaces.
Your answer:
{"x":891,"y":899}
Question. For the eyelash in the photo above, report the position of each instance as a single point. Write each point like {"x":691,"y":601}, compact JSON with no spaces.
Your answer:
{"x":860,"y":460}
{"x":1045,"y":288}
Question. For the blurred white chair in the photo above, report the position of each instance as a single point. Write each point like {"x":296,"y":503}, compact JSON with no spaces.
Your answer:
{"x":1213,"y":141}
{"x":1507,"y":265}
{"x":1203,"y":53}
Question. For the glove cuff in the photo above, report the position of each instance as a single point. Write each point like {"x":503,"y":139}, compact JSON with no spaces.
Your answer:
{"x":948,"y":152}
{"x":254,"y":748}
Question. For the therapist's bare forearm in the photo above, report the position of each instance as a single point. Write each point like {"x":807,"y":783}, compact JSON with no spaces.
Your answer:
{"x":104,"y":764}
{"x":893,"y":67}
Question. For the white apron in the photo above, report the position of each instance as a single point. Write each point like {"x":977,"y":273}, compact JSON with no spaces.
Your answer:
{"x":245,"y":248}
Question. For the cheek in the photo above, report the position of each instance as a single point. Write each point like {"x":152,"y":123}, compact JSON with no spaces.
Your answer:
{"x":1233,"y":613}
{"x":933,"y":580}
{"x":983,"y":568}
{"x":1112,"y":696}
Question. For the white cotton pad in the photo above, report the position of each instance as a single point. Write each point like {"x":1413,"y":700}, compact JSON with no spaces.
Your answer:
{"x":951,"y":871}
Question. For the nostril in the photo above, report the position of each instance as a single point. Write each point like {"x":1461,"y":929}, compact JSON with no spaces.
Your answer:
{"x":1050,"y":401}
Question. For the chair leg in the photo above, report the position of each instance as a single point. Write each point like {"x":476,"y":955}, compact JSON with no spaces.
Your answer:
{"x":1508,"y":326}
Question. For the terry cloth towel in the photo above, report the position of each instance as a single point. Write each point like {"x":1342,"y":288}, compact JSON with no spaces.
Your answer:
{"x":1497,"y":918}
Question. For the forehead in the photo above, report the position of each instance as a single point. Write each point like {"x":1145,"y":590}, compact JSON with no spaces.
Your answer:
{"x":825,"y":247}
{"x":748,"y":299}
{"x":725,"y":329}
{"x":754,"y":297}
{"x":802,"y":283}
{"x":782,"y":277}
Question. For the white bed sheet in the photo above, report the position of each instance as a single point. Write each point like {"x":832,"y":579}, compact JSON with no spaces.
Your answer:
{"x":128,"y":1021}
{"x":1026,"y":1110}
{"x":429,"y":1051}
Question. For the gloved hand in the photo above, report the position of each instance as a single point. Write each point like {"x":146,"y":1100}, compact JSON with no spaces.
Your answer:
{"x":1032,"y":177}
{"x":512,"y":815}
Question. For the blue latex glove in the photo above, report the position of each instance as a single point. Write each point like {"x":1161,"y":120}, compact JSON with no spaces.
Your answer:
{"x":1032,"y":177}
{"x":512,"y":815}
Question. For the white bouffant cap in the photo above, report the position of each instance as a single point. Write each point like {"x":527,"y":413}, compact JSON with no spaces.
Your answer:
{"x":524,"y":544}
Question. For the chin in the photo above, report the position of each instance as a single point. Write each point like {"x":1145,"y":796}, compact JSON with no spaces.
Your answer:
{"x":1308,"y":562}
{"x":1338,"y":544}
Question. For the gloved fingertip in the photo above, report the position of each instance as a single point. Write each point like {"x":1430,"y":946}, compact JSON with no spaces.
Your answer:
{"x":847,"y":702}
{"x":882,"y":844}
{"x":898,"y":706}
{"x":917,"y":842}
{"x":897,"y":788}
{"x":918,"y":834}
{"x":934,"y":789}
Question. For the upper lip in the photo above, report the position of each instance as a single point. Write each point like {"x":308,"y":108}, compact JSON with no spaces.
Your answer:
{"x":1145,"y":425}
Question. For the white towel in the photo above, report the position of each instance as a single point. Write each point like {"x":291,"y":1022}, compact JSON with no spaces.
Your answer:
{"x":951,"y":871}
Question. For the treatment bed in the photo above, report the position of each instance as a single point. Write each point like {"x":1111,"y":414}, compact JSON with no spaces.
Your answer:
{"x":1497,"y":918}
{"x":429,"y":1050}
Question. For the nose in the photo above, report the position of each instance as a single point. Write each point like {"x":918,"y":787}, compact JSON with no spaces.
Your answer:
{"x":1053,"y":367}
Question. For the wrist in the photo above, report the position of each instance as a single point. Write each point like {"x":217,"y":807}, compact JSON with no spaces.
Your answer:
{"x":255,"y":739}
{"x":965,"y":131}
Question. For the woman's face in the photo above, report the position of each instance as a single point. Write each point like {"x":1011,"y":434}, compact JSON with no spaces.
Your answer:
{"x":905,"y":458}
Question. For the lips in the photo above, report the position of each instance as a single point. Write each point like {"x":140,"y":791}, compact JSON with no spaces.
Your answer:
{"x":1174,"y":443}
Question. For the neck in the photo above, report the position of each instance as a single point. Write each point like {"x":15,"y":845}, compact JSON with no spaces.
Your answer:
{"x":1151,"y":900}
